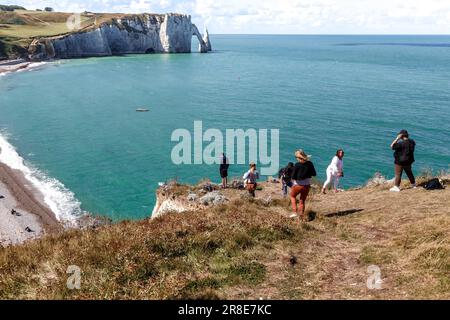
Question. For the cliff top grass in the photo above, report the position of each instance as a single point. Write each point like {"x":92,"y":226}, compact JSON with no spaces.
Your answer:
{"x":19,"y":27}
{"x":246,"y":249}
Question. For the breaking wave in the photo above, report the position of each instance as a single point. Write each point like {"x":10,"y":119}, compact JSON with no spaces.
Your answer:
{"x":58,"y":198}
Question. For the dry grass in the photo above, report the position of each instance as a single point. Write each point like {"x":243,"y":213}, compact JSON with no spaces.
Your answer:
{"x":193,"y":255}
{"x":19,"y":28}
{"x":249,"y":249}
{"x":29,"y":24}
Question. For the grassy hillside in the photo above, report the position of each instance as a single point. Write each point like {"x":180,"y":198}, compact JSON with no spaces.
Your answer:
{"x":4,"y":7}
{"x":19,"y":27}
{"x":250,"y":249}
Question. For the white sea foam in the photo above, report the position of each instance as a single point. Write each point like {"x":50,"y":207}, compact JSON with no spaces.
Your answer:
{"x":30,"y":67}
{"x":60,"y":200}
{"x":33,"y":65}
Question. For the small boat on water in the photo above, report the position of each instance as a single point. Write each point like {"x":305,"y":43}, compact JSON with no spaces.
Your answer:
{"x":142,"y":110}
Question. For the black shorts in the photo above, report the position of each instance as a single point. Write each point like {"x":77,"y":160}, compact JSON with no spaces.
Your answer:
{"x":224,"y":174}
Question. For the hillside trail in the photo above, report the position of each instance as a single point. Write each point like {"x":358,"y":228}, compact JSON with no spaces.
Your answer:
{"x":352,"y":231}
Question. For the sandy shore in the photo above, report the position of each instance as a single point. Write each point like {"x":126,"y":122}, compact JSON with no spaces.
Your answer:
{"x":34,"y":215}
{"x":13,"y":65}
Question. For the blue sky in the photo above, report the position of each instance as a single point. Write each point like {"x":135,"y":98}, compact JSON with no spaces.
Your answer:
{"x":284,"y":16}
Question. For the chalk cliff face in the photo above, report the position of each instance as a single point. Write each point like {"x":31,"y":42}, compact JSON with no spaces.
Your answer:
{"x":206,"y":40}
{"x":173,"y":198}
{"x":143,"y":33}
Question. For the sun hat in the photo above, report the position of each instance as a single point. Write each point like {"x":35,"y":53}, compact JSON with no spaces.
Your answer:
{"x":300,"y":154}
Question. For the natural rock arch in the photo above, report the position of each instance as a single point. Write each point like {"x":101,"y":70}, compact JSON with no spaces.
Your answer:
{"x":204,"y":46}
{"x":171,"y":33}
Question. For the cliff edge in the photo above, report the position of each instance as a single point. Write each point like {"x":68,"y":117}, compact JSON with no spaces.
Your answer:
{"x":352,"y":235}
{"x":145,"y":33}
{"x":37,"y":37}
{"x":365,"y":243}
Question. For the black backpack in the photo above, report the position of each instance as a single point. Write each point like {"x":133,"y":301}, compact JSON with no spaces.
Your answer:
{"x":286,"y":174}
{"x":434,"y":184}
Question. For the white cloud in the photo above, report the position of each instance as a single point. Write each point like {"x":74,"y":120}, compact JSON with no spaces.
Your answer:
{"x":284,"y":16}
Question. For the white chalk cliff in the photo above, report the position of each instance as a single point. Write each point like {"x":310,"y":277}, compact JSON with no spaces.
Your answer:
{"x":140,"y":33}
{"x":206,"y":40}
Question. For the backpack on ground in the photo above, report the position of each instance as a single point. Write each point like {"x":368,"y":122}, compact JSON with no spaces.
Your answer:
{"x":434,"y":184}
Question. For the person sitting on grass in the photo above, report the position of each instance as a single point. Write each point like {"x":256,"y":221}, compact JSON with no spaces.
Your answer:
{"x":250,"y":179}
{"x":335,"y":171}
{"x":303,"y":172}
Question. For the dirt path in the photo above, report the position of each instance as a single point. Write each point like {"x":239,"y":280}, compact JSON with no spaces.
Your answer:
{"x":401,"y":234}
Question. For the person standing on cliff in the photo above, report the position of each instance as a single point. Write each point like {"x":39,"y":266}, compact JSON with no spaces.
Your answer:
{"x":335,"y":171}
{"x":303,"y":172}
{"x":404,"y":149}
{"x":223,"y":169}
{"x":250,"y":179}
{"x":285,"y":176}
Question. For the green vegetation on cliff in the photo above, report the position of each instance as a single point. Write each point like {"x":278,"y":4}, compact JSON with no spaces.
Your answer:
{"x":246,"y":249}
{"x":4,"y":7}
{"x":18,"y":28}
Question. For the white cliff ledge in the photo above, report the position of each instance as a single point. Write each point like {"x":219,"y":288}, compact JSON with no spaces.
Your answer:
{"x":129,"y":34}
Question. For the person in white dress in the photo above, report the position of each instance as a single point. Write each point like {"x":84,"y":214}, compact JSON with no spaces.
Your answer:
{"x":335,"y":171}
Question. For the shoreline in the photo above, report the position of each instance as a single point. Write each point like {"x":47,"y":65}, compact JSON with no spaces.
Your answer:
{"x":9,"y":66}
{"x":18,"y":65}
{"x":21,"y":196}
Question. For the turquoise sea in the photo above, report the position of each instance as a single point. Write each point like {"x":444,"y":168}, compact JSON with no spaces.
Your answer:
{"x":75,"y":125}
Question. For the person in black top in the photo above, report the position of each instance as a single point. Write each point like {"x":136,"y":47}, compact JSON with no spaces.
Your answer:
{"x":404,"y":149}
{"x":285,"y":176}
{"x":223,"y":169}
{"x":301,"y":178}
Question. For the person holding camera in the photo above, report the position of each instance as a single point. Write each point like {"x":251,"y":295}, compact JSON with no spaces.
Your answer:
{"x":404,"y":149}
{"x":335,"y":171}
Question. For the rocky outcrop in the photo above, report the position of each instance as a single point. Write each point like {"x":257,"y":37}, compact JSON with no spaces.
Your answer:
{"x":173,"y":197}
{"x":169,"y":199}
{"x":131,"y":34}
{"x":206,"y":40}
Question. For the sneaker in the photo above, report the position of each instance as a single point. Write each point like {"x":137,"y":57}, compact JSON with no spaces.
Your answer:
{"x":294,"y":215}
{"x":395,"y":189}
{"x":414,"y":186}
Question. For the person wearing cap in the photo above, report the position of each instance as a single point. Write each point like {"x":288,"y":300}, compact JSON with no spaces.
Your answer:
{"x":404,"y":148}
{"x":250,"y":178}
{"x":301,"y":177}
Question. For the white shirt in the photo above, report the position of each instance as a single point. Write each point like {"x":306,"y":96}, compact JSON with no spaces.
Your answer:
{"x":336,"y":165}
{"x":250,"y":177}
